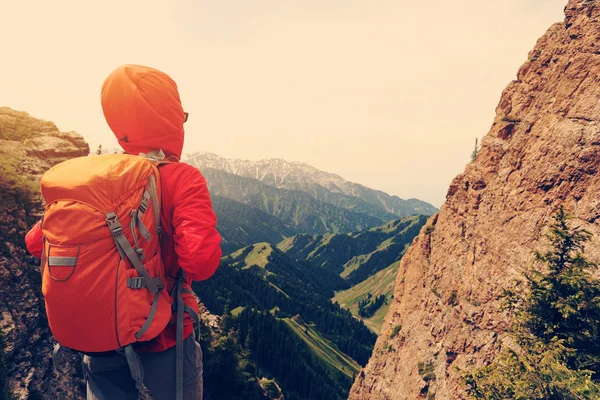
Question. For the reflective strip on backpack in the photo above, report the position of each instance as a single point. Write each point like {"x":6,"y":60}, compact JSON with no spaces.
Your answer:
{"x":133,"y":230}
{"x":62,"y":261}
{"x":144,"y":230}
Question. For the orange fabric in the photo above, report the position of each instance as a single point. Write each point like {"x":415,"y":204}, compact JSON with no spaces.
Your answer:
{"x":143,"y":109}
{"x":33,"y":240}
{"x":191,"y":240}
{"x":89,"y":306}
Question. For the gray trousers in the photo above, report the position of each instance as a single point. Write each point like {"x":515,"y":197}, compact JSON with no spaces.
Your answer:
{"x":109,"y":378}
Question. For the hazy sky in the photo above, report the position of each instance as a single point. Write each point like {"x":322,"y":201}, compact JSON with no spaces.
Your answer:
{"x":390,"y":94}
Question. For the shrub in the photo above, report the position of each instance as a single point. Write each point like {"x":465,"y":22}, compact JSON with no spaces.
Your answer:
{"x":426,"y":371}
{"x":452,"y":300}
{"x":395,"y":331}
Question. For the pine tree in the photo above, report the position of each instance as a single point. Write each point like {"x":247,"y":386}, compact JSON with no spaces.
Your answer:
{"x":555,"y":352}
{"x":475,"y":150}
{"x":565,"y":301}
{"x":226,"y":318}
{"x":99,"y":150}
{"x":249,"y":342}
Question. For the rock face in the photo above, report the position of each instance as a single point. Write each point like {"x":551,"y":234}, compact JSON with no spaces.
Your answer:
{"x":28,"y":147}
{"x":543,"y":150}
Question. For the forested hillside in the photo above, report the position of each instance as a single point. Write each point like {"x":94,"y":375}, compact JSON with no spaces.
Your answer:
{"x":261,"y":285}
{"x":241,"y":225}
{"x":358,"y":255}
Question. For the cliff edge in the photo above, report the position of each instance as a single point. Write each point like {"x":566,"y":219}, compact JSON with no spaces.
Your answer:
{"x":543,"y":150}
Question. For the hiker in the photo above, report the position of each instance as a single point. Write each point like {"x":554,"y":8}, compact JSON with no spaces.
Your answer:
{"x":143,"y":109}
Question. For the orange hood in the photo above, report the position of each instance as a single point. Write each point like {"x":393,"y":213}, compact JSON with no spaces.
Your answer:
{"x":143,"y":109}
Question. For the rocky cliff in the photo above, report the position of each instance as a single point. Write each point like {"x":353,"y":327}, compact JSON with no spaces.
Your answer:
{"x":543,"y":150}
{"x":28,"y":147}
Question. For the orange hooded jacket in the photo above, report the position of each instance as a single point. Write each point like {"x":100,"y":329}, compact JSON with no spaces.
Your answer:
{"x":143,"y":109}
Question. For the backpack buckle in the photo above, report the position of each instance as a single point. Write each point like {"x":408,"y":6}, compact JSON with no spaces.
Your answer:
{"x":113,"y":223}
{"x":135,"y":283}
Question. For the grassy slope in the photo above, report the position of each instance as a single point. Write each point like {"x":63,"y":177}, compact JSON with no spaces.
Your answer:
{"x":236,"y":311}
{"x":325,"y":350}
{"x":382,"y":282}
{"x":358,"y":255}
{"x":357,"y":261}
{"x":258,"y":256}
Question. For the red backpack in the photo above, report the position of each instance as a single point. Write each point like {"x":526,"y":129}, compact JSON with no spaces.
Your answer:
{"x":102,"y":270}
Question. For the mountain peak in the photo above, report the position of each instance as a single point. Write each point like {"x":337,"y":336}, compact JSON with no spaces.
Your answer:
{"x":280,"y":165}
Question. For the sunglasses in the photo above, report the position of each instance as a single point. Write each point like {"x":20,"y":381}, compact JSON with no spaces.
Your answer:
{"x":186,"y":115}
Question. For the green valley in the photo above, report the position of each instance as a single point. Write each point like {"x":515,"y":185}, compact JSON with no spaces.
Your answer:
{"x":316,"y":301}
{"x":307,"y":276}
{"x":382,"y":283}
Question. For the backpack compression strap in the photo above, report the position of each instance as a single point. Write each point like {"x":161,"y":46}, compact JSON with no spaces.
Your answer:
{"x":117,"y":231}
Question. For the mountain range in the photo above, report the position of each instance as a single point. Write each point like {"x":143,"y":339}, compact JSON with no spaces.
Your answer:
{"x":321,"y":185}
{"x":302,"y":211}
{"x":271,"y":200}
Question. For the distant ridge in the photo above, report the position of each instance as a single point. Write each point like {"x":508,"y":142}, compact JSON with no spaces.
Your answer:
{"x":321,"y":185}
